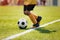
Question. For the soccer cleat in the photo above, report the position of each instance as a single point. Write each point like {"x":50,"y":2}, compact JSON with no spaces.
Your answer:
{"x":36,"y":25}
{"x":39,"y":19}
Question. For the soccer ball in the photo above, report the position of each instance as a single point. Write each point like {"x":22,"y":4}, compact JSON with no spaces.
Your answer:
{"x":22,"y":23}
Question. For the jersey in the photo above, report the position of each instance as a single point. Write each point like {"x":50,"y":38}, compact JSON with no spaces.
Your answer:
{"x":30,"y":2}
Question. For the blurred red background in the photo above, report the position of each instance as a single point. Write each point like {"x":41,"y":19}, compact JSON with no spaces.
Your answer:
{"x":5,"y":2}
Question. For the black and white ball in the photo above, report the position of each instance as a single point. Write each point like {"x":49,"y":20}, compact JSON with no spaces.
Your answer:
{"x":22,"y":23}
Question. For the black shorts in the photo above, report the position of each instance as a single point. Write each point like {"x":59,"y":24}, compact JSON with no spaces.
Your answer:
{"x":28,"y":7}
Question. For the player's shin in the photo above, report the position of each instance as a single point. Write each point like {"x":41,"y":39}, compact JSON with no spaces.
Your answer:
{"x":32,"y":18}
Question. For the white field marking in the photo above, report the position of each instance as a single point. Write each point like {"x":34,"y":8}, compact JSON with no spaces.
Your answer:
{"x":27,"y":31}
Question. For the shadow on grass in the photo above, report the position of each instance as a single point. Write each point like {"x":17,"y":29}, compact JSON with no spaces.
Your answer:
{"x":25,"y":29}
{"x":42,"y":30}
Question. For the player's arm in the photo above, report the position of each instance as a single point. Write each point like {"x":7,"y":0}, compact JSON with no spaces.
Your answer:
{"x":27,"y":2}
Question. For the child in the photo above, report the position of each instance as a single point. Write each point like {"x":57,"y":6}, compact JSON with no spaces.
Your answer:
{"x":28,"y":6}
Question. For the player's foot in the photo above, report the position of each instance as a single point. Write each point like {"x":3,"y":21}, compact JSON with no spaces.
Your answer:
{"x":39,"y":19}
{"x":35,"y":25}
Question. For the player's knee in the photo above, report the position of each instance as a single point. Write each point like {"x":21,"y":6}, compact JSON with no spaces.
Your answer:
{"x":26,"y":12}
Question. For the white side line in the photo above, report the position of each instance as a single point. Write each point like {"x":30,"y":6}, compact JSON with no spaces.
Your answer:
{"x":27,"y":31}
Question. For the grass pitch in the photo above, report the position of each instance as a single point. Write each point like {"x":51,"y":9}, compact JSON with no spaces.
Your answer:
{"x":9,"y":16}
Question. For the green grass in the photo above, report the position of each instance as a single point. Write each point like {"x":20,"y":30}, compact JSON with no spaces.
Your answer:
{"x":50,"y":32}
{"x":9,"y":16}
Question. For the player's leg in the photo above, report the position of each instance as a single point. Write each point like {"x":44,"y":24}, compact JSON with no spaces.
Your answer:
{"x":30,"y":16}
{"x":27,"y":12}
{"x":27,"y":9}
{"x":35,"y":15}
{"x":35,"y":24}
{"x":38,"y":18}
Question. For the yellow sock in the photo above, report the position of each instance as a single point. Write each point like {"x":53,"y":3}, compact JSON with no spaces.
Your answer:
{"x":33,"y":19}
{"x":35,"y":16}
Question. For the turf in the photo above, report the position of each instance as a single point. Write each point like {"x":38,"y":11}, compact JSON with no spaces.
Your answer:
{"x":49,"y":32}
{"x":9,"y":16}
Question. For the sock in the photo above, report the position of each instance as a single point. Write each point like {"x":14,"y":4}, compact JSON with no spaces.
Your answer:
{"x":38,"y":18}
{"x":33,"y":19}
{"x":35,"y":16}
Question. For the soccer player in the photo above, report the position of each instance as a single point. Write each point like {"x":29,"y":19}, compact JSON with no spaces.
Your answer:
{"x":28,"y":7}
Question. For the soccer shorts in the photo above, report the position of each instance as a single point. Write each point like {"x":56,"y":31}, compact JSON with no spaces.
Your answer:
{"x":29,"y":7}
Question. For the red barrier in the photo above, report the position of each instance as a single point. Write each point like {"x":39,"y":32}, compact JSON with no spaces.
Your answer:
{"x":20,"y":2}
{"x":4,"y":2}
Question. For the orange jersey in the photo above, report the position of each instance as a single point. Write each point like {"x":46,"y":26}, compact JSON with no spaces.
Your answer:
{"x":27,"y":2}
